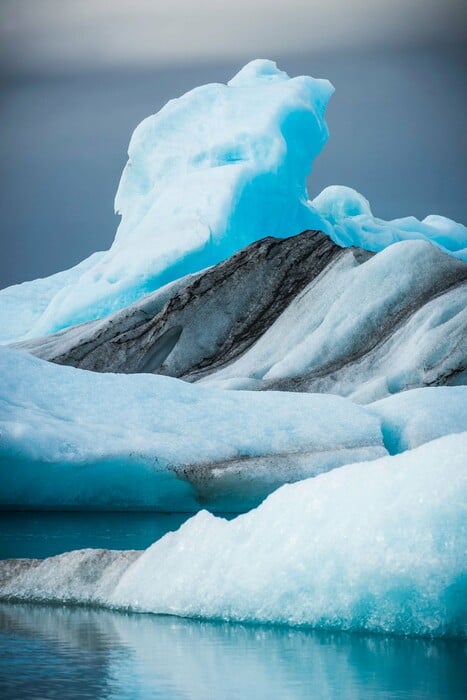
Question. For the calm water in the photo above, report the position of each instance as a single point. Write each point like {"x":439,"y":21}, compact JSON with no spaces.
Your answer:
{"x":36,"y":534}
{"x":50,"y":652}
{"x":65,"y":652}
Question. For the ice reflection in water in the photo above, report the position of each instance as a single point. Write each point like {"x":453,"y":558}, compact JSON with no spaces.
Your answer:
{"x":55,"y":652}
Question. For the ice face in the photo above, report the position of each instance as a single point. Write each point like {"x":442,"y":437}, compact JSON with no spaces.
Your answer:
{"x":364,"y":329}
{"x":375,"y":546}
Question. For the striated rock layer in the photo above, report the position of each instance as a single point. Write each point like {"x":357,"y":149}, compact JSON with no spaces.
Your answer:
{"x":202,"y":321}
{"x":295,"y":314}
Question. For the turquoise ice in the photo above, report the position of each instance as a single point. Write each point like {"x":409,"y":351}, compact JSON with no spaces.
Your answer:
{"x":375,"y":546}
{"x":214,"y":170}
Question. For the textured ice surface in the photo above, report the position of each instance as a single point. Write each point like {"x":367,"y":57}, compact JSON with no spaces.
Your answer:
{"x":414,"y":417}
{"x":377,"y":546}
{"x":200,"y":321}
{"x":297,"y":314}
{"x":364,"y":329}
{"x":72,"y":438}
{"x":350,"y":221}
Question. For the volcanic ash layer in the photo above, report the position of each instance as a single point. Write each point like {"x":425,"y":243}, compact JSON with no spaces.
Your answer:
{"x":294,"y":314}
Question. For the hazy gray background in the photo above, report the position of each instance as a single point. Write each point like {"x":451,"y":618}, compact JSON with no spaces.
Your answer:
{"x":76,"y":76}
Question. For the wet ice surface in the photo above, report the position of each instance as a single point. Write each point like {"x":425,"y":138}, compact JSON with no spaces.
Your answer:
{"x":55,"y":652}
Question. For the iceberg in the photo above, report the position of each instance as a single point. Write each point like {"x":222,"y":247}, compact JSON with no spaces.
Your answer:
{"x":214,"y":170}
{"x":211,"y":172}
{"x":374,"y":547}
{"x":344,"y":335}
{"x":78,"y":439}
{"x":350,"y":221}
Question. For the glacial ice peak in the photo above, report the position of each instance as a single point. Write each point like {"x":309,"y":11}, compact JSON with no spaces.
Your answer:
{"x":211,"y":172}
{"x":258,"y":70}
{"x":221,"y":160}
{"x":214,"y":170}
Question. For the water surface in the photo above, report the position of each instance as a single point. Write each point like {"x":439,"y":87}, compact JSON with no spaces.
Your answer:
{"x":76,"y":652}
{"x":58,"y":652}
{"x":44,"y":534}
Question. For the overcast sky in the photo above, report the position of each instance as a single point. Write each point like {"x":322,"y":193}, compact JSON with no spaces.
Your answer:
{"x":60,"y":35}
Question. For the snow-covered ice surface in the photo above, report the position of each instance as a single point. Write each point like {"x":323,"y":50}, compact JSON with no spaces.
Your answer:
{"x":214,"y":170}
{"x":377,"y":546}
{"x":72,"y":438}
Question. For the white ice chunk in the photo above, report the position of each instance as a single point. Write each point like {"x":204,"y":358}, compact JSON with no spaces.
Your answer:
{"x":73,"y":438}
{"x":377,"y":546}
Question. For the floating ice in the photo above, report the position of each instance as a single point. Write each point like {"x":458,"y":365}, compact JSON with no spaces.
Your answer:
{"x":377,"y":546}
{"x":71,"y":438}
{"x":350,"y":222}
{"x":374,"y":546}
{"x":211,"y":172}
{"x":214,"y":170}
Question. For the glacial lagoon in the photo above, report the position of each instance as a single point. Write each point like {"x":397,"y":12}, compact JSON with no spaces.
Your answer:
{"x":76,"y":652}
